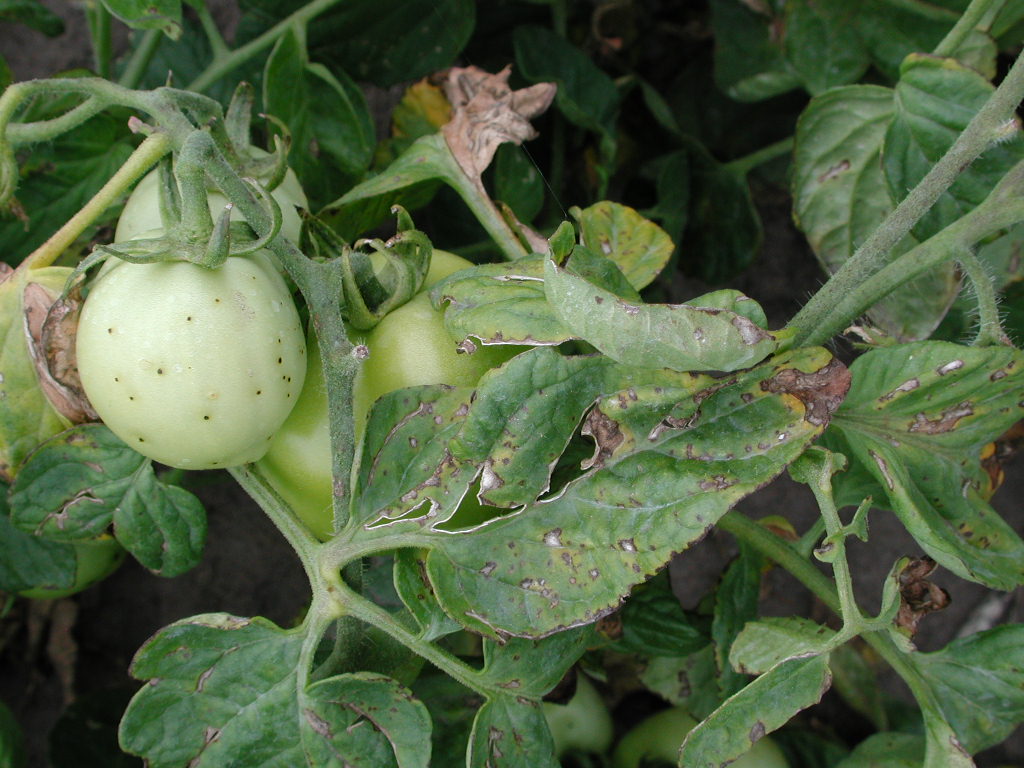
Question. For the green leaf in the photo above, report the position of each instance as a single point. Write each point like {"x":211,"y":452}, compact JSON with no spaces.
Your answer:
{"x":531,"y":668}
{"x":917,"y":418}
{"x":655,"y":624}
{"x":385,"y":42}
{"x":840,"y":197}
{"x":723,"y":229}
{"x":26,"y":416}
{"x":360,"y":719}
{"x":749,"y":63}
{"x":82,"y":480}
{"x":854,"y":679}
{"x":216,"y":675}
{"x":683,"y":337}
{"x":60,"y":176}
{"x":769,"y":641}
{"x":893,"y":29}
{"x":415,"y":591}
{"x":761,"y":707}
{"x":511,"y":732}
{"x":500,"y":303}
{"x":32,"y":561}
{"x":736,"y":601}
{"x":887,"y":750}
{"x":517,"y":182}
{"x":570,"y":559}
{"x":453,"y":708}
{"x":406,"y":460}
{"x":640,"y":248}
{"x":326,"y":114}
{"x":164,"y":15}
{"x":979,"y":684}
{"x":32,"y":14}
{"x":690,"y":681}
{"x":223,"y":690}
{"x":586,"y":95}
{"x":935,"y":100}
{"x":821,"y":43}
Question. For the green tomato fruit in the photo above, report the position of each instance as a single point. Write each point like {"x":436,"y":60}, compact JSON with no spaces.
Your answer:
{"x":95,"y":560}
{"x":659,"y":737}
{"x":409,"y":347}
{"x":582,"y":724}
{"x":142,"y":209}
{"x":193,"y":367}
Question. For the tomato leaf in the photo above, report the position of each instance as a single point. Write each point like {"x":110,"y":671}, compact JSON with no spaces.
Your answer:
{"x":917,"y":418}
{"x":893,"y":29}
{"x":935,"y":99}
{"x":749,"y":64}
{"x":527,"y":667}
{"x":690,"y":681}
{"x":762,"y":706}
{"x":415,"y":591}
{"x":736,"y":603}
{"x":364,"y":719}
{"x":655,"y":624}
{"x":32,"y":561}
{"x":326,"y":114}
{"x":517,"y":182}
{"x":840,"y":196}
{"x":893,"y":750}
{"x":32,"y":14}
{"x":511,"y":732}
{"x":12,"y":741}
{"x":821,"y":44}
{"x":640,"y":248}
{"x":83,"y":480}
{"x":979,"y":685}
{"x":541,"y":570}
{"x":406,"y":461}
{"x":762,"y":644}
{"x":502,"y":303}
{"x":164,"y":15}
{"x":383,"y":41}
{"x":26,"y":416}
{"x":708,"y":334}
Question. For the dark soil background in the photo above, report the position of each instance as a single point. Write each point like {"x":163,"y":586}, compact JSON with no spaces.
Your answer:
{"x":53,"y":654}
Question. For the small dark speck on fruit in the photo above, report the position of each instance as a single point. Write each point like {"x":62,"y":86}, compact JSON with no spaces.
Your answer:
{"x":206,"y":418}
{"x":159,"y":370}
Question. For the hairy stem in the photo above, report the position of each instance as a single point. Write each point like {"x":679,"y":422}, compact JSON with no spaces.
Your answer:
{"x":99,"y":30}
{"x":987,"y":126}
{"x":780,"y":551}
{"x":358,"y":606}
{"x":990,"y":330}
{"x":142,"y":159}
{"x":968,"y":21}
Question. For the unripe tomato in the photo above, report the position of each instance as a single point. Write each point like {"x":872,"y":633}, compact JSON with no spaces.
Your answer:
{"x":96,"y":559}
{"x":193,"y":367}
{"x":583,"y":724}
{"x":409,"y":347}
{"x":659,"y":737}
{"x":142,"y":209}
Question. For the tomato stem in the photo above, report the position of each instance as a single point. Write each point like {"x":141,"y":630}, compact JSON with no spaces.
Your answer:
{"x":826,"y":312}
{"x":142,"y":159}
{"x":967,"y":23}
{"x":990,"y":330}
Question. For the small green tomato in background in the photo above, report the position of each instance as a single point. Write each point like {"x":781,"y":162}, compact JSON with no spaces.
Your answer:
{"x":409,"y":347}
{"x":583,"y":724}
{"x":659,"y":737}
{"x":193,"y":367}
{"x":142,"y":209}
{"x":96,"y":559}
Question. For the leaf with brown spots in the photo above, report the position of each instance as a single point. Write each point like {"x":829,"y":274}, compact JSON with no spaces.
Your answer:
{"x":917,"y":420}
{"x":511,"y":732}
{"x":761,"y":707}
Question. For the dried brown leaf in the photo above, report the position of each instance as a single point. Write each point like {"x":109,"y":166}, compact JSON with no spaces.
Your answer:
{"x":918,"y":595}
{"x":50,"y":326}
